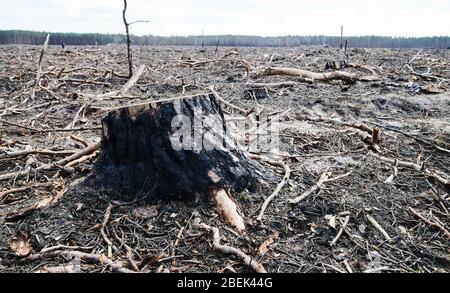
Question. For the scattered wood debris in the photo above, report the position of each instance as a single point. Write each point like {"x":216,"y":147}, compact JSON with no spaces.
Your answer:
{"x":384,"y":187}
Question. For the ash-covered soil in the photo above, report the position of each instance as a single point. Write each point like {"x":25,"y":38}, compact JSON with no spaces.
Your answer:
{"x":42,"y":208}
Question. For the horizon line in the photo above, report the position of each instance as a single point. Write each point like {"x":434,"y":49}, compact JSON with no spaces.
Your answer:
{"x":219,"y":35}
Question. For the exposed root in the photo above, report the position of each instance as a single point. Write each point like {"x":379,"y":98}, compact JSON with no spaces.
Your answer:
{"x":227,"y":207}
{"x":231,"y":250}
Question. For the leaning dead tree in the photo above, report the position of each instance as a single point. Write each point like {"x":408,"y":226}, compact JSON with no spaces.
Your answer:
{"x":148,"y":150}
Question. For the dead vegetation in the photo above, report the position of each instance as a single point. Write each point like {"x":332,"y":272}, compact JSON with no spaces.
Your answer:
{"x":363,"y":169}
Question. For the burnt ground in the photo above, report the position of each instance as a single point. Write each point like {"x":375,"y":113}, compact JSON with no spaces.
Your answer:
{"x":409,"y":102}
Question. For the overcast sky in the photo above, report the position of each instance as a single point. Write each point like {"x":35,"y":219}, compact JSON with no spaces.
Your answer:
{"x":250,"y":17}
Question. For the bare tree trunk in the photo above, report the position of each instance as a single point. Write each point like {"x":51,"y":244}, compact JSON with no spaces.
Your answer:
{"x":130,"y":61}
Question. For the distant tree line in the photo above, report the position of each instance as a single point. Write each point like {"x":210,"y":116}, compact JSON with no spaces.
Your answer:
{"x":37,"y":38}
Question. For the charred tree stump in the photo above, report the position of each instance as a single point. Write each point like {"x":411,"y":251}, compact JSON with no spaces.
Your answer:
{"x":174,"y":150}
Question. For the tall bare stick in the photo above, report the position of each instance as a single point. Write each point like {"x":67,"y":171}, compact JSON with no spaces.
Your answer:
{"x":130,"y":61}
{"x":39,"y":69}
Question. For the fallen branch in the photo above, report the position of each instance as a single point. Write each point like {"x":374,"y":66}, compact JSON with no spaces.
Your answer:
{"x":75,"y":119}
{"x":271,"y":85}
{"x":373,"y":70}
{"x":61,"y":247}
{"x":322,"y":179}
{"x":313,"y":76}
{"x":35,"y":130}
{"x":13,"y":215}
{"x":231,"y":250}
{"x":376,"y":270}
{"x":31,"y":152}
{"x":86,"y":151}
{"x":20,"y":189}
{"x":433,"y":224}
{"x":80,"y":160}
{"x":426,"y":142}
{"x":196,"y":63}
{"x":89,"y":257}
{"x":419,"y":168}
{"x":147,"y":102}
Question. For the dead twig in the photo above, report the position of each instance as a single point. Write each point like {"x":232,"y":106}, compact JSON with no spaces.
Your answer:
{"x":130,"y":61}
{"x":333,"y":242}
{"x":324,"y":178}
{"x":378,"y":227}
{"x":283,"y":182}
{"x":216,"y":95}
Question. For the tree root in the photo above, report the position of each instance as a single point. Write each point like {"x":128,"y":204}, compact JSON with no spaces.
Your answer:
{"x":231,"y":250}
{"x":228,"y":209}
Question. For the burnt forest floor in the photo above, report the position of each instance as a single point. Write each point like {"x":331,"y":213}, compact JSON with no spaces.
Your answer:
{"x":408,"y":101}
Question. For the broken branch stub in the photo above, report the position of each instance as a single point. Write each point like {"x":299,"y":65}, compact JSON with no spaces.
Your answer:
{"x":173,"y":150}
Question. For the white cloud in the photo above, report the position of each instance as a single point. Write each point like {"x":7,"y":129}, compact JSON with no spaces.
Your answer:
{"x":255,"y":17}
